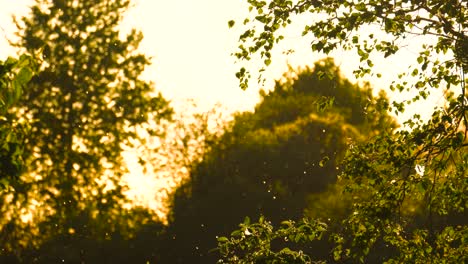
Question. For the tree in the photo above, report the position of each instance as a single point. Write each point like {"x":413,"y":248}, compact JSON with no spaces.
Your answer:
{"x":84,"y":105}
{"x":415,"y":179}
{"x":268,"y":161}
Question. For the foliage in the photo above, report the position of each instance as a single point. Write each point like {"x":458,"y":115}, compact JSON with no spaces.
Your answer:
{"x":323,"y":90}
{"x":82,"y":107}
{"x":413,"y":182}
{"x":336,"y":24}
{"x":14,"y":75}
{"x":411,"y":177}
{"x":254,"y":241}
{"x":268,"y":161}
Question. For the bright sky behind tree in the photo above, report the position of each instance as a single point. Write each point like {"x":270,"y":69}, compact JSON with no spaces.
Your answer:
{"x":191,"y":44}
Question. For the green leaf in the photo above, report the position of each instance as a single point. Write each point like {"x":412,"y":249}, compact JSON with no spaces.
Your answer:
{"x":223,"y":239}
{"x":420,"y":59}
{"x":24,"y":75}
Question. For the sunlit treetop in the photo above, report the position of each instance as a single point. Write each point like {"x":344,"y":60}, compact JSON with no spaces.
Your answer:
{"x":83,"y":107}
{"x":322,"y":89}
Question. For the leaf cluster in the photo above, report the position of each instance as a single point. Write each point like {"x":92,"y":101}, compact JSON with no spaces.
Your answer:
{"x":337,"y":24}
{"x":260,"y":243}
{"x":411,"y":184}
{"x":14,"y":75}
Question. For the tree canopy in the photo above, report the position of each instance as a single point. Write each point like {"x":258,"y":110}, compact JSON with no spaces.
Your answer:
{"x":317,"y":173}
{"x":411,"y":184}
{"x":269,"y":161}
{"x":82,"y":107}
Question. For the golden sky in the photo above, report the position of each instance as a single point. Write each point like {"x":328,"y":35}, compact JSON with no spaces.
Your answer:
{"x":191,"y":44}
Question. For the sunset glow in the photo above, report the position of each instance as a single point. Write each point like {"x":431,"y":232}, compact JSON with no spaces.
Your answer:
{"x":191,"y":47}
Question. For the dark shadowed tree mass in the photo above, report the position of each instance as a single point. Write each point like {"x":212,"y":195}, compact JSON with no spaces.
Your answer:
{"x":270,"y":160}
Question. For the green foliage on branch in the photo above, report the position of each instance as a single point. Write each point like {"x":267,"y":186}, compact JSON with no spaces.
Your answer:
{"x":417,"y":183}
{"x":335,"y":24}
{"x":254,"y":242}
{"x":14,"y":75}
{"x":409,"y":187}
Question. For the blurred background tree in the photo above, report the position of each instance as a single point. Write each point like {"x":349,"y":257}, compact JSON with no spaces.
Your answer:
{"x":83,"y":106}
{"x":269,"y":161}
